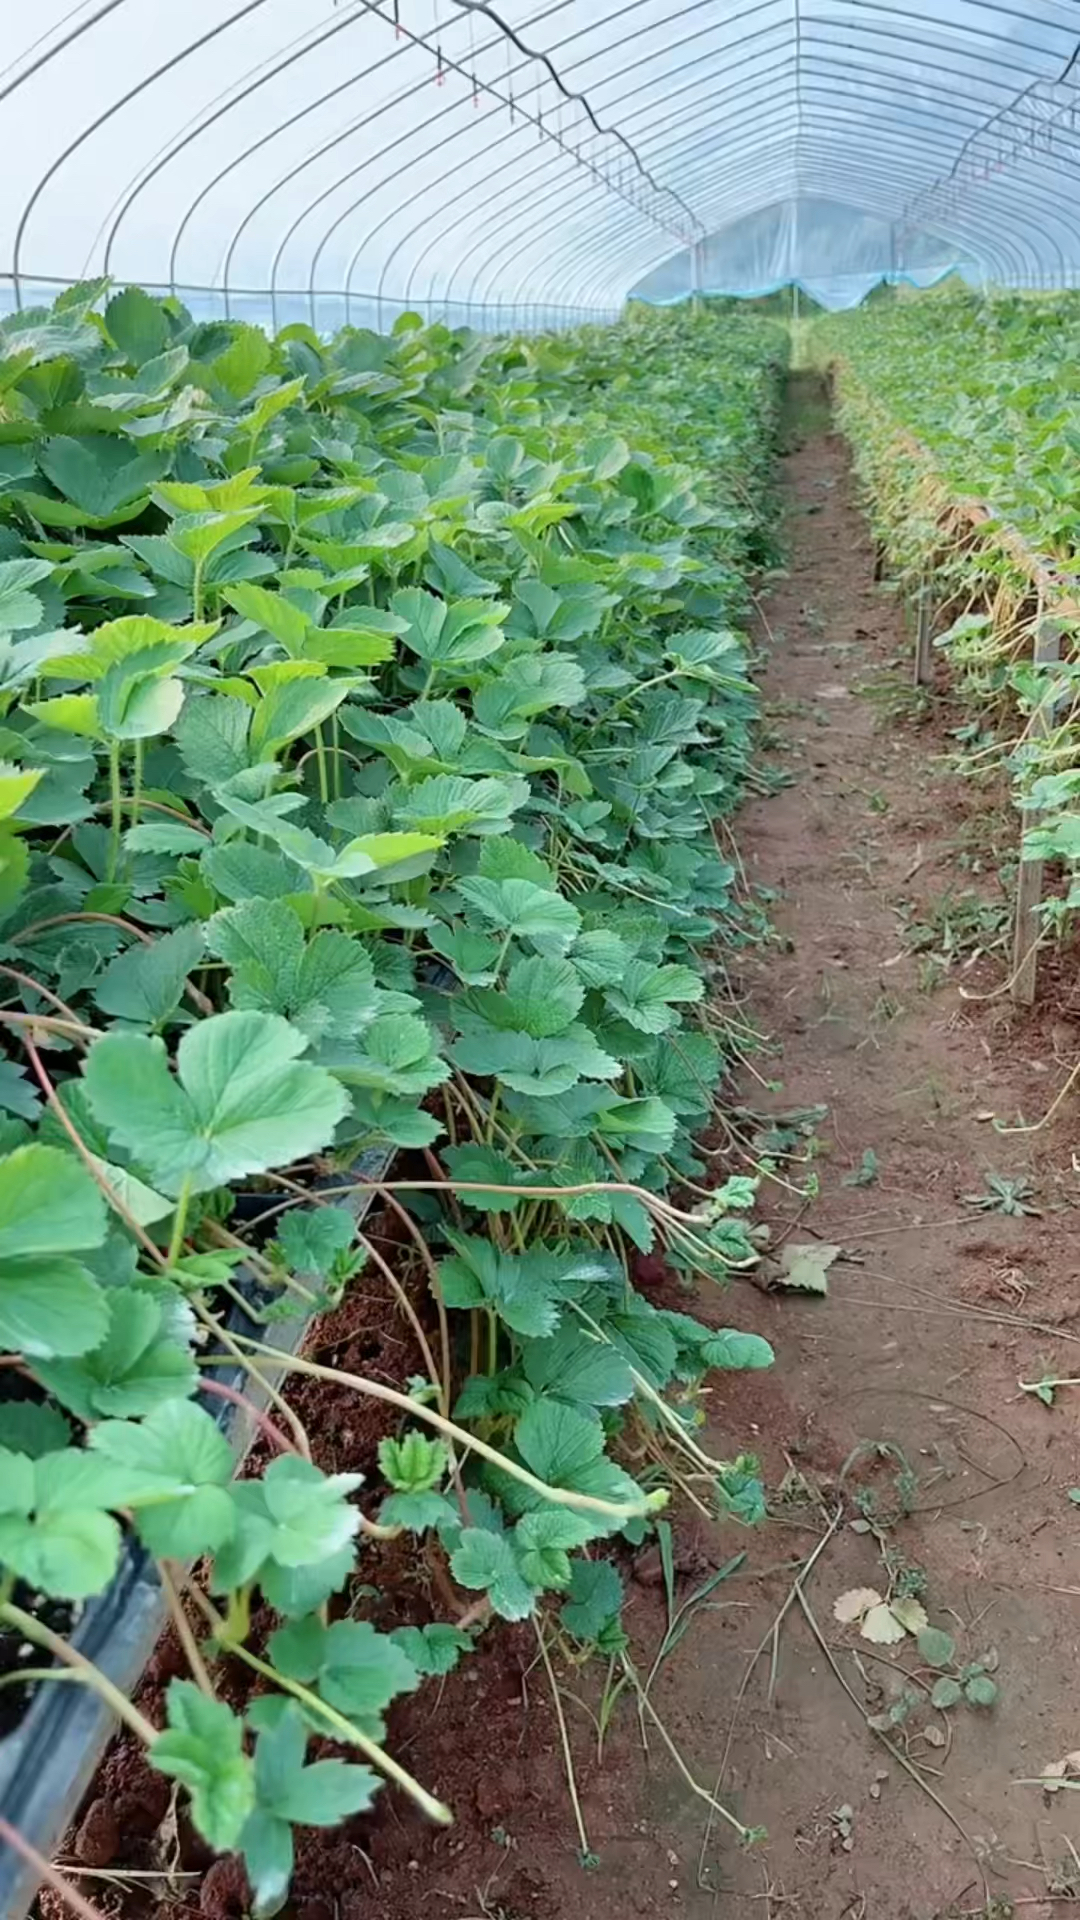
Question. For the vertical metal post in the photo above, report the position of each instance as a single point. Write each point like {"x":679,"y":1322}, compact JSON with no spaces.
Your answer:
{"x":1028,"y":923}
{"x":924,"y":627}
{"x":696,"y":275}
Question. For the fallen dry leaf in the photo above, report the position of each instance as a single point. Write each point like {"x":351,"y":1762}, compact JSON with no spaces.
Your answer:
{"x":804,"y":1267}
{"x":852,"y":1605}
{"x":881,"y":1627}
{"x":910,"y":1613}
{"x":1058,"y":1772}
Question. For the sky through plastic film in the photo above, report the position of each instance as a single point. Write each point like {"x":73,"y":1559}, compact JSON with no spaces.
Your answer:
{"x":531,"y":162}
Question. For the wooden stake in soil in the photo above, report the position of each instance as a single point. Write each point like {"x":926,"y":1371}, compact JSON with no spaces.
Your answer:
{"x":1027,"y":925}
{"x":924,"y":624}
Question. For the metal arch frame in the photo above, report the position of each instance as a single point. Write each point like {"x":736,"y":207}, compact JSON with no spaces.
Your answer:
{"x":773,"y":27}
{"x":481,"y":239}
{"x":116,"y":106}
{"x":474,"y":157}
{"x":563,"y":147}
{"x":544,"y":59}
{"x":874,"y":32}
{"x":767,"y":75}
{"x":450,"y":284}
{"x":960,"y":56}
{"x":515,"y":186}
{"x":824,"y":175}
{"x":830,"y":178}
{"x":988,"y":249}
{"x":501,"y":100}
{"x":829,"y":175}
{"x":52,"y":53}
{"x":994,"y":6}
{"x":1054,"y":80}
{"x":293,"y":173}
{"x":249,"y":84}
{"x":970,"y":228}
{"x":736,"y":134}
{"x":656,"y":25}
{"x":312,"y":106}
{"x":972,"y":241}
{"x":620,"y":12}
{"x":369,"y":11}
{"x":984,"y":131}
{"x":562,"y":153}
{"x":757,"y":7}
{"x":984,"y":246}
{"x":965,"y":232}
{"x":310,"y":159}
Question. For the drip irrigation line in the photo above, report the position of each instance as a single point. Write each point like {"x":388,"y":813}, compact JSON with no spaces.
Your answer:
{"x":582,"y":99}
{"x":923,"y":202}
{"x":683,"y":154}
{"x":374,"y":8}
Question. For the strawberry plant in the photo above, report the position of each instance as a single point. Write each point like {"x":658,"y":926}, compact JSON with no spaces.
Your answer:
{"x":969,"y":470}
{"x":367,"y":708}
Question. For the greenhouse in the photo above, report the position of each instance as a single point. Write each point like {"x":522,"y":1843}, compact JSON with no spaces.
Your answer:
{"x":539,"y":892}
{"x":531,"y":166}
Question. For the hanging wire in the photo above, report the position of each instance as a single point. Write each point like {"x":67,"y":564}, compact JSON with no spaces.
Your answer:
{"x":965,"y":170}
{"x":569,"y":93}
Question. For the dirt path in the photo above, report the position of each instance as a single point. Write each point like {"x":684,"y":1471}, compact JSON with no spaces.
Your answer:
{"x":898,"y":1352}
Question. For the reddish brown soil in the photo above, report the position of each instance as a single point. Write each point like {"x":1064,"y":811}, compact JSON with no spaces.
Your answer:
{"x":913,"y":1346}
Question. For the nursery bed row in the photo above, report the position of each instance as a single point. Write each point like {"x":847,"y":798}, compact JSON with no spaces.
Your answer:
{"x":964,"y":438}
{"x":371,"y":712}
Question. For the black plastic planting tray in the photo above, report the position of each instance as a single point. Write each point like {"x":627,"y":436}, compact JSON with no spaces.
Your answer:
{"x":49,"y":1760}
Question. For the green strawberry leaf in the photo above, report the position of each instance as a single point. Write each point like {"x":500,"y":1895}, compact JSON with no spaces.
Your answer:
{"x":177,"y":1441}
{"x":203,"y":1747}
{"x":288,"y":1792}
{"x":595,"y":1599}
{"x":573,"y":1365}
{"x":132,"y":1370}
{"x":543,"y":1542}
{"x":484,"y":1562}
{"x":449,"y":635}
{"x":646,"y":995}
{"x":413,"y":1464}
{"x":325,"y":987}
{"x":311,"y":1239}
{"x":434,"y":1649}
{"x":352,"y":1666}
{"x":524,"y":911}
{"x":145,"y":984}
{"x":50,"y":1209}
{"x":241,"y":1101}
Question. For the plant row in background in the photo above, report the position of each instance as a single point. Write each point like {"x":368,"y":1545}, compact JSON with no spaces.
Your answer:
{"x":970,"y":469}
{"x":372,"y":714}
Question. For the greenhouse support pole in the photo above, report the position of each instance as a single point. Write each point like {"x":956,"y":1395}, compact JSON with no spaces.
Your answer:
{"x":696,"y":275}
{"x":1027,"y":925}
